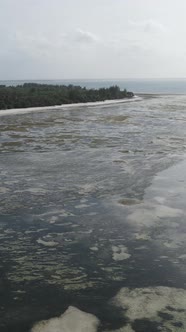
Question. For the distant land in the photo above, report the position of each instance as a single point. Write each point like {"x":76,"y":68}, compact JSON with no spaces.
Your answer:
{"x":40,"y":95}
{"x":150,"y":85}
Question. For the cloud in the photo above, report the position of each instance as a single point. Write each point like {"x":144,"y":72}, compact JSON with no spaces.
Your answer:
{"x":85,"y":37}
{"x":44,"y":46}
{"x":36,"y":45}
{"x":30,"y":44}
{"x":149,"y":26}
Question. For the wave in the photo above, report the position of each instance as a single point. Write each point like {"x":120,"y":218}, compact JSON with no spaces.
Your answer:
{"x":67,"y":106}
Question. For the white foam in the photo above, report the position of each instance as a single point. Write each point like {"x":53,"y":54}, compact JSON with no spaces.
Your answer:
{"x":4,"y":190}
{"x":66,"y":106}
{"x":81,"y":206}
{"x":37,"y":191}
{"x":120,"y":253}
{"x":73,"y":320}
{"x":182,"y":257}
{"x":53,"y":220}
{"x":47,"y":243}
{"x":147,"y":214}
{"x":94,"y":248}
{"x":142,"y":236}
{"x":147,"y":303}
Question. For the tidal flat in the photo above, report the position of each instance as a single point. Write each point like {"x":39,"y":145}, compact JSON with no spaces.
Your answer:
{"x":92,"y":217}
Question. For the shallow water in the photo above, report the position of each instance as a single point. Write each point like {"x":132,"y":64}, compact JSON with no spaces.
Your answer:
{"x":92,"y":215}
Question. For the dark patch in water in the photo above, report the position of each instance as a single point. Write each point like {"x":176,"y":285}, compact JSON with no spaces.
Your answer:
{"x":165,"y":316}
{"x":127,"y":201}
{"x":143,"y":325}
{"x":177,"y":324}
{"x":176,"y":310}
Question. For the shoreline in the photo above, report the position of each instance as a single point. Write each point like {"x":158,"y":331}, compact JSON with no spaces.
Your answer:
{"x":64,"y":106}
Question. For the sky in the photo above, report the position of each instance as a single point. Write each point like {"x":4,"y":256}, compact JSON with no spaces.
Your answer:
{"x":92,"y":39}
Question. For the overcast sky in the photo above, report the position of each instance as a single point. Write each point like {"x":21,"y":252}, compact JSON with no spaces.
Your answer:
{"x":57,"y":39}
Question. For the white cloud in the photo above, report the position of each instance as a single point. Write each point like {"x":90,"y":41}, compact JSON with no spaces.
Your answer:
{"x":83,"y":36}
{"x":32,"y":44}
{"x":149,"y":25}
{"x":61,"y":38}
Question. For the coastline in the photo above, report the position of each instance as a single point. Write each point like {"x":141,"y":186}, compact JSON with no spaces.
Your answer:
{"x":64,"y":106}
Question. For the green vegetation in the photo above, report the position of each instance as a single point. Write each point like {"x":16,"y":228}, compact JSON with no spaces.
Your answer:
{"x":35,"y":95}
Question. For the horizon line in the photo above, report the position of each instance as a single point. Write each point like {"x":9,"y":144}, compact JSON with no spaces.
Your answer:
{"x":95,"y":79}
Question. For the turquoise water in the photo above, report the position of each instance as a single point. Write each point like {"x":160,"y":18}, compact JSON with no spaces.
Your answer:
{"x":172,"y":86}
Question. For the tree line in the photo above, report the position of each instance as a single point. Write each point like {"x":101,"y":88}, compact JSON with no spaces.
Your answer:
{"x":36,"y":95}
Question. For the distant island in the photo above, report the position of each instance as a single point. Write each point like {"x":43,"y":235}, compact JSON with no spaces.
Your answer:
{"x":38,"y":95}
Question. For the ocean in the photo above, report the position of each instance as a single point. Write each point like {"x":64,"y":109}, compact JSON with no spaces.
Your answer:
{"x":170,"y":86}
{"x":92,"y":217}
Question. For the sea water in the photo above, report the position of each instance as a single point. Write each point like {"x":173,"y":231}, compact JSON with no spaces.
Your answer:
{"x":92,"y":217}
